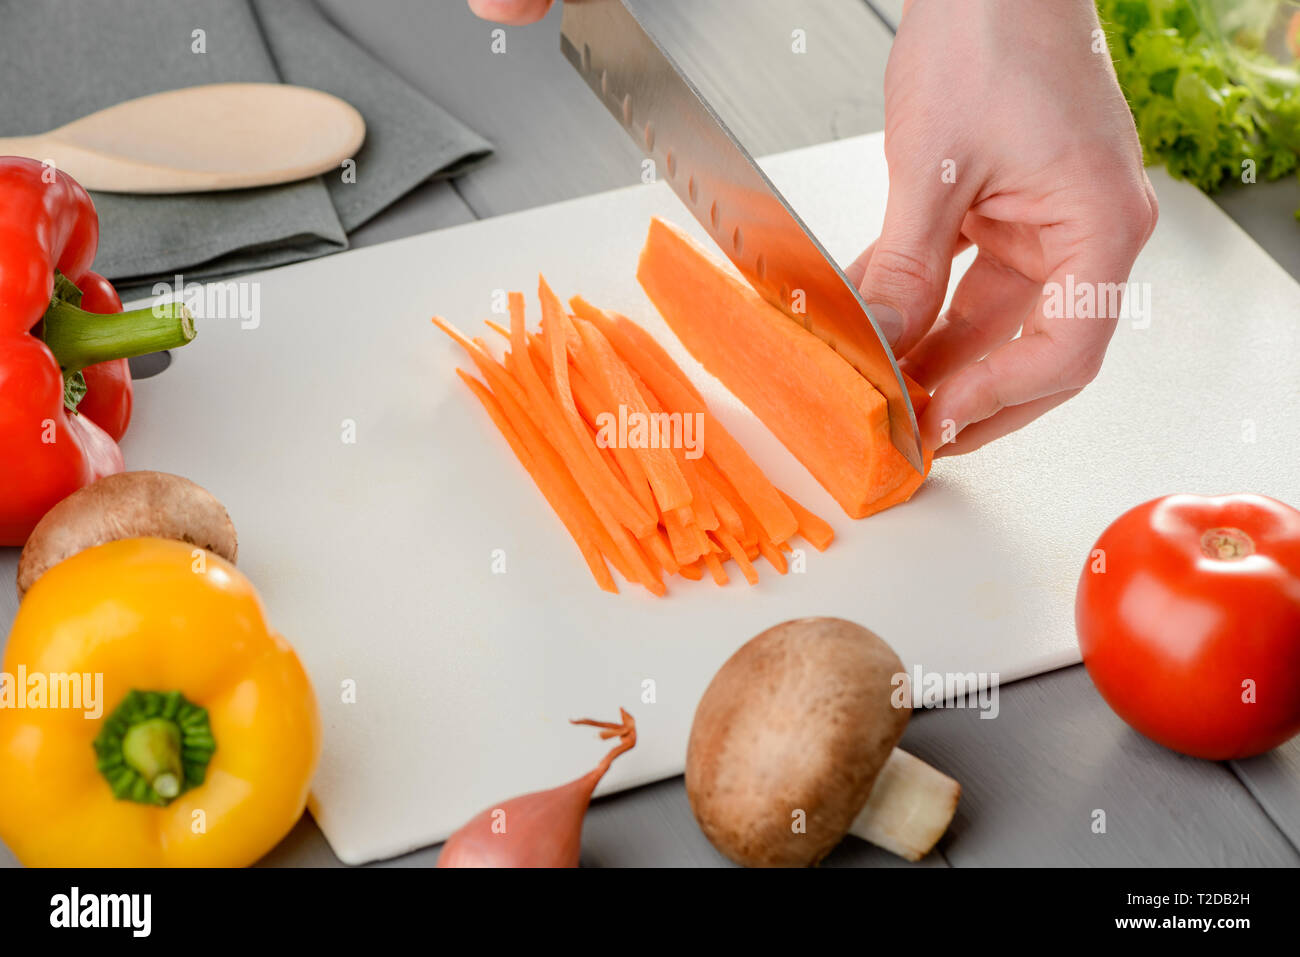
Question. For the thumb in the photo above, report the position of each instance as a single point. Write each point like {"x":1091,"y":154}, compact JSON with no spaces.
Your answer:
{"x":903,"y":275}
{"x":510,"y":12}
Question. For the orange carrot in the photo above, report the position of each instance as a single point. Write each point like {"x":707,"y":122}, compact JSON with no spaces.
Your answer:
{"x":669,"y":385}
{"x":692,"y":571}
{"x":774,"y":555}
{"x":623,"y":332}
{"x":666,"y":479}
{"x":624,"y":552}
{"x":656,"y":546}
{"x":719,"y":573}
{"x":565,"y":508}
{"x":728,"y":516}
{"x":819,"y":406}
{"x":614,"y":540}
{"x":580,"y":457}
{"x":590,"y":405}
{"x":738,"y":552}
{"x":648,"y":509}
{"x":816,"y":530}
{"x":686,"y":546}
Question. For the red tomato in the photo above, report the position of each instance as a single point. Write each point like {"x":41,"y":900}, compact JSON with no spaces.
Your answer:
{"x":1188,"y":613}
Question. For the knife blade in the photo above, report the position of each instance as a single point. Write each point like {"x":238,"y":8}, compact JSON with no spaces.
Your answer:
{"x":730,"y":196}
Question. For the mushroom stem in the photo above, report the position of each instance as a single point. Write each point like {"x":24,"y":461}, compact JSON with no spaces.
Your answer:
{"x":909,"y":808}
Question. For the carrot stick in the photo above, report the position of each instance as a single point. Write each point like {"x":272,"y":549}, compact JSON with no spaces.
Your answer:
{"x":657,"y":547}
{"x":661,"y":468}
{"x":686,"y":546}
{"x":751,"y":531}
{"x":813,"y":528}
{"x":715,"y":568}
{"x":624,"y":552}
{"x":670,"y":385}
{"x":590,"y":405}
{"x":614,"y":540}
{"x":561,"y":503}
{"x":774,"y":555}
{"x":653,"y":571}
{"x":581,"y":458}
{"x":727,"y":514}
{"x":647,"y":509}
{"x":620,"y":328}
{"x":692,"y":571}
{"x":737,"y":551}
{"x":513,"y":402}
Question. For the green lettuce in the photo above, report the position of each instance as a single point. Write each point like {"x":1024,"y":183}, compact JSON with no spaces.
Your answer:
{"x":1205,"y":94}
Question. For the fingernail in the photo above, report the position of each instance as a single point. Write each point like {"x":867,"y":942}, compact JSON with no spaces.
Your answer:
{"x":888,"y":321}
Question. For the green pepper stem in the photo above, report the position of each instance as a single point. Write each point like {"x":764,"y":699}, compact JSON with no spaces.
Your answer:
{"x":79,"y":338}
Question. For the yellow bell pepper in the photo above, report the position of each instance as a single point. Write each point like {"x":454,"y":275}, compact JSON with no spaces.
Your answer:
{"x":208,"y":732}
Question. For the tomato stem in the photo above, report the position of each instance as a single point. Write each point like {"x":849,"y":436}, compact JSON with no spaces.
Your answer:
{"x":1227,"y":544}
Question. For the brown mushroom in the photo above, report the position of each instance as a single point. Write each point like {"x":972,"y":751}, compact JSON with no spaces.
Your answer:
{"x":126,"y":505}
{"x":793,"y":746}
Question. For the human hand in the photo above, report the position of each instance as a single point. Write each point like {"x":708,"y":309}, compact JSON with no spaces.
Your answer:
{"x":1045,"y":177}
{"x":511,"y":12}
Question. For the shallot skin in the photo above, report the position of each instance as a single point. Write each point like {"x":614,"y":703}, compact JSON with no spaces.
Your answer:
{"x":539,"y":829}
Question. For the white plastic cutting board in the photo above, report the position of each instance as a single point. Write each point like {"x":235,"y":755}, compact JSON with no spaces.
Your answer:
{"x":376,"y":558}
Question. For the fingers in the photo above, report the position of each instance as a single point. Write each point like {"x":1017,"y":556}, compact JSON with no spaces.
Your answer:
{"x":1060,"y":350}
{"x":1065,"y":336}
{"x":904,"y":274}
{"x":856,"y":270}
{"x":1003,"y":423}
{"x":988,"y":307}
{"x":510,"y":12}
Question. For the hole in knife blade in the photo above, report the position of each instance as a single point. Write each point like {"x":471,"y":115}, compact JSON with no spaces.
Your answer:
{"x":692,"y":190}
{"x":148,"y":366}
{"x":713,"y":214}
{"x":737,"y":241}
{"x":627,"y":109}
{"x":604,"y":83}
{"x":650,"y":137}
{"x":671,"y":160}
{"x":586,"y":57}
{"x":760,"y":266}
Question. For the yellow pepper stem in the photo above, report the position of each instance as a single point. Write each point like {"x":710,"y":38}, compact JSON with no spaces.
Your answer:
{"x":154,"y":746}
{"x":153,"y":749}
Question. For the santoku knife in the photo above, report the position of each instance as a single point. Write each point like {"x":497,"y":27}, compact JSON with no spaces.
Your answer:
{"x":729,"y":195}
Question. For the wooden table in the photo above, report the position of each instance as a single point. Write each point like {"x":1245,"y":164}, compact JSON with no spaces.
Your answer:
{"x":1032,"y":778}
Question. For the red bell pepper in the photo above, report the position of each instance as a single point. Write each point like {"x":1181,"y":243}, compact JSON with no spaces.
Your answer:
{"x":65,"y":392}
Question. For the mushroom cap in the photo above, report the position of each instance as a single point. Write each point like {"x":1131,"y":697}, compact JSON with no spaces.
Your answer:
{"x":799,"y":719}
{"x":127,"y":505}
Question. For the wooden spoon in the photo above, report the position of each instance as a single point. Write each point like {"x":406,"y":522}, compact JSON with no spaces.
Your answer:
{"x":202,"y":138}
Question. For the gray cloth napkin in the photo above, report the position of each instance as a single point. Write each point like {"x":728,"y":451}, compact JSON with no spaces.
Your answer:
{"x":62,"y":59}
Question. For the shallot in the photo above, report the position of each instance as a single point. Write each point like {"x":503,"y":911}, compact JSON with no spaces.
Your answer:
{"x":541,"y":829}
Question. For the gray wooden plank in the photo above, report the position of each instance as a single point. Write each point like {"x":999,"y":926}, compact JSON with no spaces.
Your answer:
{"x":1274,"y":780}
{"x":742,"y":55}
{"x":1266,"y":211}
{"x":650,"y":826}
{"x":554,"y":140}
{"x":1034,"y":776}
{"x":653,"y":827}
